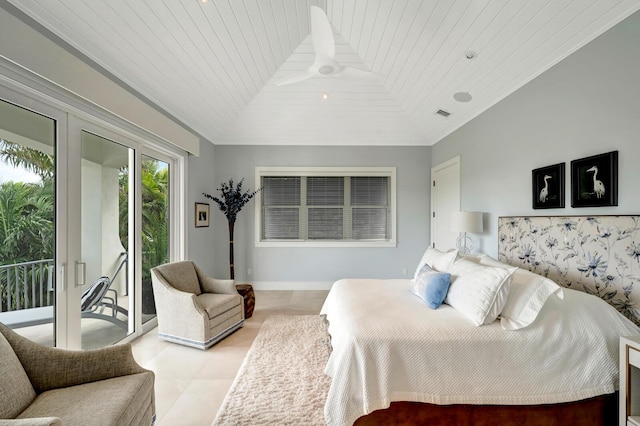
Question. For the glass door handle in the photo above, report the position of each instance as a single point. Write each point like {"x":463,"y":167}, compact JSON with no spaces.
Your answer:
{"x":81,"y":273}
{"x":62,"y":286}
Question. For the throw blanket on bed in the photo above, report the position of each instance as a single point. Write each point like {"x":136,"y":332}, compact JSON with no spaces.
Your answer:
{"x":389,"y":346}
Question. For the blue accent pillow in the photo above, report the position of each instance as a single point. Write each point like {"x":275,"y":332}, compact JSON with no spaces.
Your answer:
{"x":431,"y":286}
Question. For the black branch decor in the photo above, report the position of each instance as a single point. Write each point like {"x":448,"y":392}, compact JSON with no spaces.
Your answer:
{"x":232,"y":199}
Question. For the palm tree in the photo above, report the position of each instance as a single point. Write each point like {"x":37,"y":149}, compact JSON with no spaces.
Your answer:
{"x":30,"y":159}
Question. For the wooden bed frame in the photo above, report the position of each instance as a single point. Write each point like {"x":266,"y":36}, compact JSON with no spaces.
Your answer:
{"x":519,"y":236}
{"x":597,"y":411}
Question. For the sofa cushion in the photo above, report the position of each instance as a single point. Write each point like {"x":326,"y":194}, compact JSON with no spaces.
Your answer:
{"x":16,"y":391}
{"x":181,"y":275}
{"x":216,"y":304}
{"x":117,"y":401}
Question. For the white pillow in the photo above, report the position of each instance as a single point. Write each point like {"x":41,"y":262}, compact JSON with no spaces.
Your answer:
{"x":527,"y":296}
{"x":478,"y":291}
{"x":437,"y":260}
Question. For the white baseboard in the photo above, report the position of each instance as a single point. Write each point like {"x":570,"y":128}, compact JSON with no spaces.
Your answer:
{"x":292,"y":285}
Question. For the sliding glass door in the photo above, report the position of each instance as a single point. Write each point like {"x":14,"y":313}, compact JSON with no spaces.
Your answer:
{"x":27,"y":222}
{"x":86,"y":210}
{"x":155,"y":225}
{"x":106,"y":306}
{"x":124,"y":231}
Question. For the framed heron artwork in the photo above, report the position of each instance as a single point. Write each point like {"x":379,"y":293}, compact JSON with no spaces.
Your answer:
{"x":594,"y":181}
{"x":548,"y":187}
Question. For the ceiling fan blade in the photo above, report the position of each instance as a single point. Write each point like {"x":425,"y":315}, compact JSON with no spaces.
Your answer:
{"x":294,"y":78}
{"x":322,"y":34}
{"x":349,"y":72}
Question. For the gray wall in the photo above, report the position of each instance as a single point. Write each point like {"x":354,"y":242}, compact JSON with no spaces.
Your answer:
{"x":586,"y":105}
{"x":321,"y":265}
{"x":200,"y":178}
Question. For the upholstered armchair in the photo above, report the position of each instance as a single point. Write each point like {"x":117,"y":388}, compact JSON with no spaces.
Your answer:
{"x":192,"y":308}
{"x":40,"y":385}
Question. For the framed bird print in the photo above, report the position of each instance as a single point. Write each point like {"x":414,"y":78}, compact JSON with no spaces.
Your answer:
{"x":594,"y":181}
{"x":548,"y":187}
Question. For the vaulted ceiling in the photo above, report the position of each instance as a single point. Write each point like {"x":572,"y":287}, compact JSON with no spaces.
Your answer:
{"x":213,"y":64}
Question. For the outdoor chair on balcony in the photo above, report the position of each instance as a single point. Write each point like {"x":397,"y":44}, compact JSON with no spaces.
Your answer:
{"x":100,"y":297}
{"x":192,"y":308}
{"x":40,"y":385}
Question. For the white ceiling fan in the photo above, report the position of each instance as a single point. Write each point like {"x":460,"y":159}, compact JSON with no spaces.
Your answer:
{"x":324,"y":45}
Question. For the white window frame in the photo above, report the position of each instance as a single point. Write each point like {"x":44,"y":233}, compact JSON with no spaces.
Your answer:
{"x":389,"y":172}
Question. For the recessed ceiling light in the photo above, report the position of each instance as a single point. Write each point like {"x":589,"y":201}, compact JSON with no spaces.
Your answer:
{"x":470,"y":54}
{"x":462,"y":96}
{"x":325,"y":96}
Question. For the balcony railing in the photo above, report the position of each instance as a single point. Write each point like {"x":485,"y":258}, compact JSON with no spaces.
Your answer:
{"x":26,"y":285}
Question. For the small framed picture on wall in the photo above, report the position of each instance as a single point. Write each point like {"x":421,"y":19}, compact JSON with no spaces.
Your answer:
{"x":548,"y":187}
{"x":594,"y":181}
{"x":202,"y":215}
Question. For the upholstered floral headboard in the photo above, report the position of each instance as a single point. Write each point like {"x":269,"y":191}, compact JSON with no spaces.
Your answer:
{"x":596,"y":254}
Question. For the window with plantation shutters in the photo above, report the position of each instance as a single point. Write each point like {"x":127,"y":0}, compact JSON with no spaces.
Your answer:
{"x":369,"y":196}
{"x":325,"y":206}
{"x":281,"y":200}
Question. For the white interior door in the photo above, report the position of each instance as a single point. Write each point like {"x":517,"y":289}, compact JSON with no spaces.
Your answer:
{"x":445,"y":198}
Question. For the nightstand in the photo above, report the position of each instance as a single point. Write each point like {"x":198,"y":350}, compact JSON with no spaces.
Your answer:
{"x":629,"y":381}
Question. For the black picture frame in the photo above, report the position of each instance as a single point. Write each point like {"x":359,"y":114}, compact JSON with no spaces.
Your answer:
{"x":548,"y":186}
{"x":202,"y":215}
{"x":594,"y":181}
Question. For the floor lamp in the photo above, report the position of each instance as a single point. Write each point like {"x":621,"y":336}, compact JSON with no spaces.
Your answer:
{"x":464,"y":222}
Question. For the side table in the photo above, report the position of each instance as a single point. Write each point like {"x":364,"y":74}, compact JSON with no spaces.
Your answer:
{"x":246,"y":291}
{"x":629,"y":381}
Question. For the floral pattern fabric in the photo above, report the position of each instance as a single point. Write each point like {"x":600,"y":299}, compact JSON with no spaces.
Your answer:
{"x":599,"y":255}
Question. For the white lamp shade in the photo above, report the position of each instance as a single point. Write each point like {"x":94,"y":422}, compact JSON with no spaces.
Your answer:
{"x":466,"y":222}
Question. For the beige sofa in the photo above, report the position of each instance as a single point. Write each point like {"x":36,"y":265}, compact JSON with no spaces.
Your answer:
{"x":192,"y":308}
{"x":48,"y":386}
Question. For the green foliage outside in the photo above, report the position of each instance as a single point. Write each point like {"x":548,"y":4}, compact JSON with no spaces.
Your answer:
{"x":155,"y":215}
{"x":26,"y":226}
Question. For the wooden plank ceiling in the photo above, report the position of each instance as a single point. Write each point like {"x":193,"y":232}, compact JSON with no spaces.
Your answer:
{"x":213,"y":65}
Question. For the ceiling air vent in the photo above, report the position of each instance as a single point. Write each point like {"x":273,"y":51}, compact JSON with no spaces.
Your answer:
{"x":443,"y":113}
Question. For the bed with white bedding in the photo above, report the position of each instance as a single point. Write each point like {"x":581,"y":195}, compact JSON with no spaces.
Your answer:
{"x":506,"y":343}
{"x":388,"y":345}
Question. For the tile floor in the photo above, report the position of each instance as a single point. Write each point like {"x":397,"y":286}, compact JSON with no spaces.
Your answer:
{"x":190,"y":383}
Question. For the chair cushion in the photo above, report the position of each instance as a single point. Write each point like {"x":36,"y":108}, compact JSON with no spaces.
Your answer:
{"x":181,"y":275}
{"x":216,"y":304}
{"x":117,"y":401}
{"x":94,"y":294}
{"x":16,"y":391}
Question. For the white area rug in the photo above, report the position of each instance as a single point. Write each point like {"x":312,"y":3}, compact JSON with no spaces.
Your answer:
{"x":281,"y":381}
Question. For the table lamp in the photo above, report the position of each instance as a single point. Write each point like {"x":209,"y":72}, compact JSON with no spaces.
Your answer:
{"x":464,"y":222}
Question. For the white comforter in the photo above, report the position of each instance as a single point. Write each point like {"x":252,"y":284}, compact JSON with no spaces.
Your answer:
{"x":389,"y":346}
